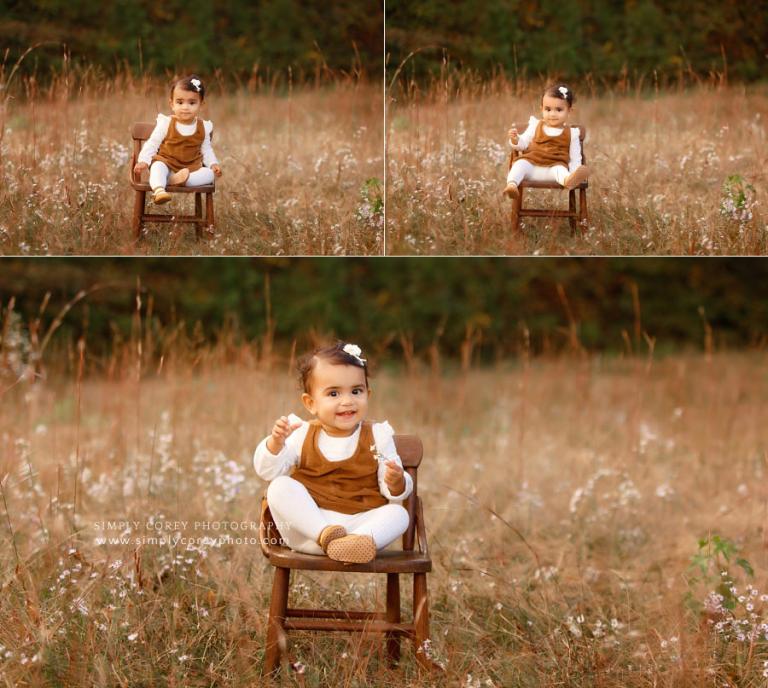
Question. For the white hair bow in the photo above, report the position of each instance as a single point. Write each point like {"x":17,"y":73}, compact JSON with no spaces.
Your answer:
{"x":196,"y":83}
{"x":563,"y":90}
{"x":355,"y":351}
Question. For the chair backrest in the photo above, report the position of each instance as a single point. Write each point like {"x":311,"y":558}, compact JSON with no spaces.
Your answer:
{"x":582,"y":135}
{"x":140,"y":132}
{"x":411,"y":450}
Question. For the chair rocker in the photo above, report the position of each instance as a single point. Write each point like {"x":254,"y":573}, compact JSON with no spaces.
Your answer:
{"x":140,"y":132}
{"x":408,"y":561}
{"x":575,"y":218}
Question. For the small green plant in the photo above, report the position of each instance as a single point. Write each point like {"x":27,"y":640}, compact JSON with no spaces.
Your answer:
{"x":711,"y":566}
{"x":371,"y":209}
{"x":738,"y":199}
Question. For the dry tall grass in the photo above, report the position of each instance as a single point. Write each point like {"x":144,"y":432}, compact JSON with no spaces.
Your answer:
{"x":564,"y":499}
{"x":295,"y":169}
{"x":659,"y":161}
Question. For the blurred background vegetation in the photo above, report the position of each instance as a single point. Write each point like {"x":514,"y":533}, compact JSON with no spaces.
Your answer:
{"x":234,"y":37}
{"x":604,"y":40}
{"x":390,"y":305}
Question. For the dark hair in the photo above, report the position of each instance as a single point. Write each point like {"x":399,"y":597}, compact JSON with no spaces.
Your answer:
{"x":334,"y":354}
{"x":555,"y":92}
{"x":185,"y":83}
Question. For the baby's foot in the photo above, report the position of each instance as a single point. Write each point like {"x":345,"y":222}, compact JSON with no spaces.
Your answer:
{"x":329,"y":534}
{"x":579,"y":175}
{"x":160,"y":196}
{"x":178,"y":178}
{"x":512,"y":191}
{"x":352,"y":549}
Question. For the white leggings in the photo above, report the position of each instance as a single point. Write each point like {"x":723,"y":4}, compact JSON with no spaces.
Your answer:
{"x":523,"y":169}
{"x":159,"y":171}
{"x":300,"y":521}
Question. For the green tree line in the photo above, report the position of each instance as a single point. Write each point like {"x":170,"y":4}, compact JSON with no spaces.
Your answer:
{"x":233,"y":36}
{"x":570,"y":39}
{"x":382,"y":303}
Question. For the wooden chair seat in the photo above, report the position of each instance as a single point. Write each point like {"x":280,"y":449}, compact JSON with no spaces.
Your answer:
{"x":208,"y":188}
{"x":413,"y":559}
{"x":575,"y":217}
{"x":387,"y":561}
{"x":140,"y":132}
{"x":550,"y":185}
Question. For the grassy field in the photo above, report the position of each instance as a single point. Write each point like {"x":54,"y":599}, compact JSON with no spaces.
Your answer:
{"x":565,"y":500}
{"x":659,"y":164}
{"x":302,"y":170}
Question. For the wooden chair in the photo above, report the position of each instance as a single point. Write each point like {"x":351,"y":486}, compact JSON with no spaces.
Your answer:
{"x":581,"y":217}
{"x":140,"y":132}
{"x":393,"y":563}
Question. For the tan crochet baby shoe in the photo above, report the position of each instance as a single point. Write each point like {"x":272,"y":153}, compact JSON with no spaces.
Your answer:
{"x":178,"y":178}
{"x":352,"y":549}
{"x":329,"y":534}
{"x":579,"y":175}
{"x":161,"y":196}
{"x":512,"y":191}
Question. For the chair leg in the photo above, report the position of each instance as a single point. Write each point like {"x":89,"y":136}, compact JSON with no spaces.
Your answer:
{"x":421,"y":619}
{"x":209,"y":212}
{"x":275,"y":629}
{"x":572,"y":210}
{"x":393,"y":616}
{"x":583,"y":215}
{"x":198,"y":213}
{"x":139,"y":202}
{"x":517,"y":206}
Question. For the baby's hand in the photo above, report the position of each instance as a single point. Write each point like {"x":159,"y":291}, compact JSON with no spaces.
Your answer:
{"x":216,"y":170}
{"x":139,"y":167}
{"x":393,"y":477}
{"x":282,"y":429}
{"x":513,"y":135}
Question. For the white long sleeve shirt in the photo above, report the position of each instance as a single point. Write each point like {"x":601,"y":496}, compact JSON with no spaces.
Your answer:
{"x":574,"y":153}
{"x":269,"y":466}
{"x":152,"y":144}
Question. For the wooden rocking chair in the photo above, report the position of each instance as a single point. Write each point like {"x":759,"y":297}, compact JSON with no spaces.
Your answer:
{"x":140,"y":132}
{"x":575,"y":217}
{"x":408,"y":561}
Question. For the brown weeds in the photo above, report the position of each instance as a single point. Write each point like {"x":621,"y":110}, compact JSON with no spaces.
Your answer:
{"x":295,"y":162}
{"x":561,"y":553}
{"x":659,"y":161}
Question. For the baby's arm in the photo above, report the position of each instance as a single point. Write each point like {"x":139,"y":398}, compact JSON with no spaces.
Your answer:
{"x":209,"y":157}
{"x":524,"y":139}
{"x":390,"y":466}
{"x":286,"y":439}
{"x":575,"y":151}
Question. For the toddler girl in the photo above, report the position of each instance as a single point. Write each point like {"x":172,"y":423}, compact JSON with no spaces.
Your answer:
{"x":337,"y":483}
{"x":553,"y":150}
{"x":179,"y":151}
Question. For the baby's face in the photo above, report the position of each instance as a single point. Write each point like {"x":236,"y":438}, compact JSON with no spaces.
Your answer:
{"x":554,"y":111}
{"x":185,"y":105}
{"x":338,"y":397}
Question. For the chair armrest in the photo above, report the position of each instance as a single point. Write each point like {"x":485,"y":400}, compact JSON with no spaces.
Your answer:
{"x":421,"y":532}
{"x":266,"y":524}
{"x":135,"y":178}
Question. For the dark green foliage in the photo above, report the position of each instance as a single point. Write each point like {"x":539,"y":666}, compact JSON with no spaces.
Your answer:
{"x":571,"y":39}
{"x":197,"y":35}
{"x":375,"y":301}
